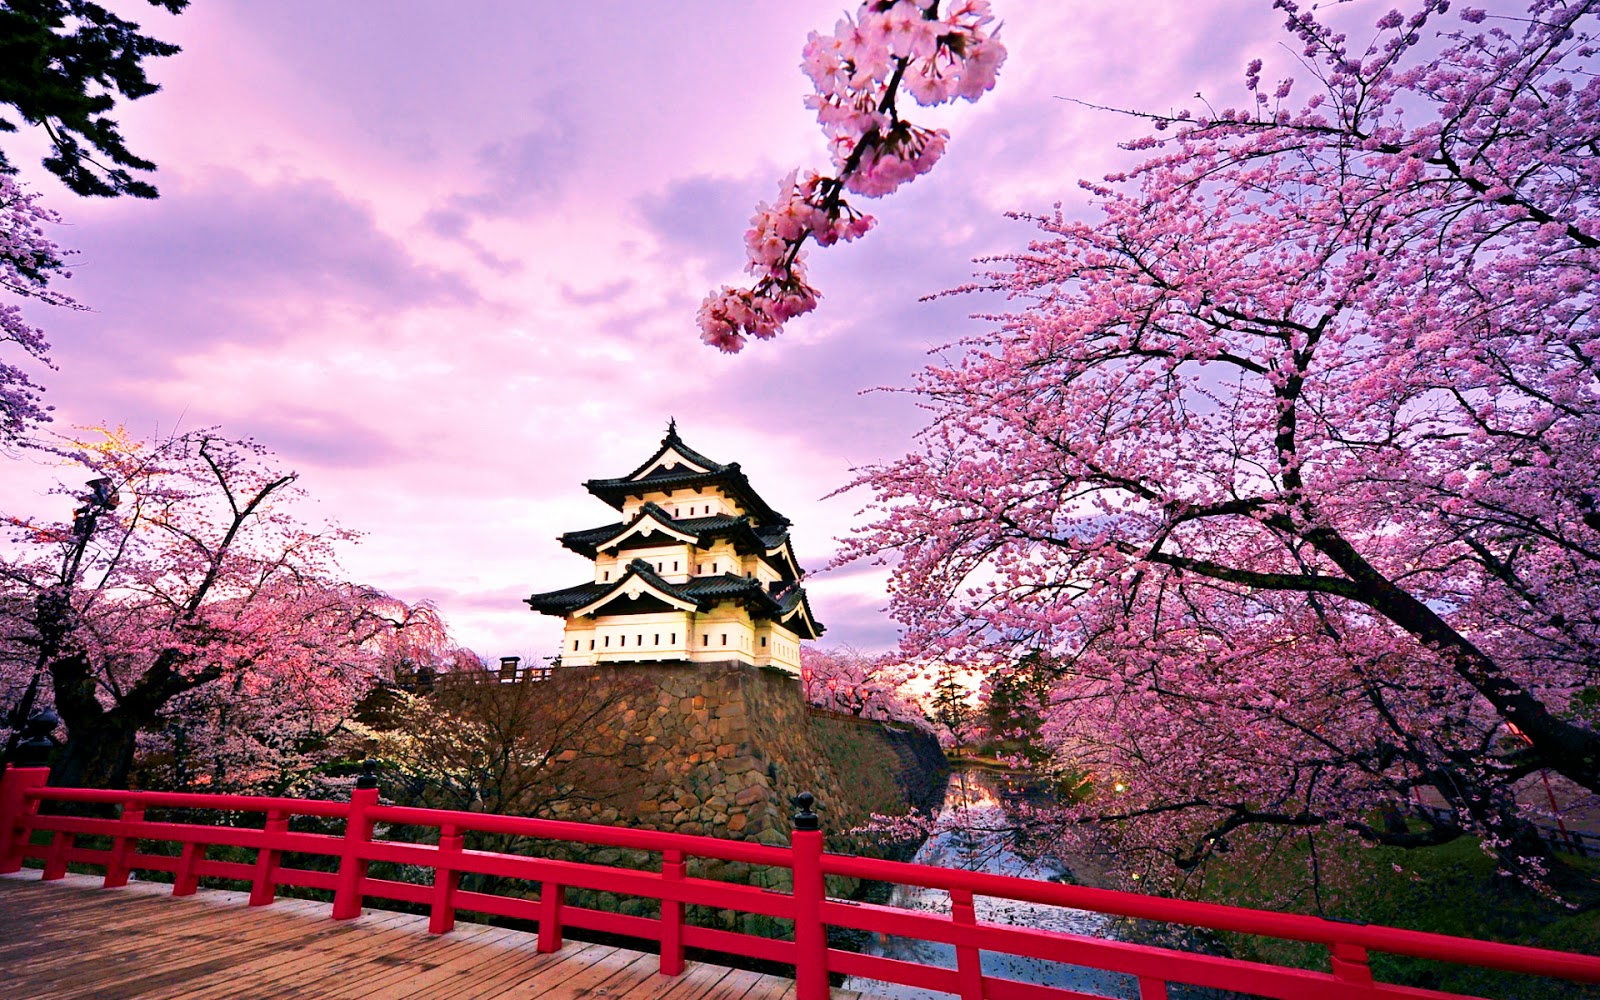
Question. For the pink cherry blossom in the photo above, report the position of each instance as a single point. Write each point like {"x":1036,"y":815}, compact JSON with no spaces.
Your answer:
{"x":857,"y":73}
{"x":1287,"y":457}
{"x":28,"y":260}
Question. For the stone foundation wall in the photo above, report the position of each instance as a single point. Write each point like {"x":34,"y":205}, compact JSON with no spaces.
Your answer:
{"x":724,"y":749}
{"x":727,"y":746}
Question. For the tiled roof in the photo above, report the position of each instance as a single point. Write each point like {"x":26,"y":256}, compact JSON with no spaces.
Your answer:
{"x":675,"y":443}
{"x":703,"y":591}
{"x":564,"y":602}
{"x":773,"y":535}
{"x":730,"y":479}
{"x":746,"y":537}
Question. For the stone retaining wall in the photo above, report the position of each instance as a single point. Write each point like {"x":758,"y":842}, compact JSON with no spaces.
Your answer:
{"x":727,"y":746}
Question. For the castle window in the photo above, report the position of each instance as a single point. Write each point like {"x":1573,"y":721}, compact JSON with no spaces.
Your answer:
{"x":608,"y":640}
{"x":763,"y":642}
{"x":674,"y":638}
{"x":574,"y":645}
{"x":705,"y":640}
{"x":674,"y":565}
{"x":657,"y":639}
{"x":724,"y":638}
{"x":606,"y":577}
{"x":591,"y":643}
{"x":639,"y":639}
{"x":622,"y":640}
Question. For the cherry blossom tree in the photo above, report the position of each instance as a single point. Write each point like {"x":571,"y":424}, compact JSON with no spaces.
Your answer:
{"x":63,"y":66}
{"x":871,"y":687}
{"x":185,"y":586}
{"x":1287,"y":453}
{"x":28,"y":261}
{"x":859,"y":73}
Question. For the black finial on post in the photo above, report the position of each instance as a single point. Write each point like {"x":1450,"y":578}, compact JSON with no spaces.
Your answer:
{"x":33,"y":750}
{"x":369,"y":774}
{"x":805,"y":819}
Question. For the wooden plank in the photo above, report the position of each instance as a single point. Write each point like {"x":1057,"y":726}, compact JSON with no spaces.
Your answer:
{"x":114,"y":941}
{"x":473,"y":947}
{"x":513,"y":964}
{"x":617,"y":972}
{"x":398,"y":953}
{"x":191,"y":959}
{"x":309,"y":949}
{"x":698,"y":979}
{"x":171,"y":950}
{"x":72,"y":938}
{"x":522,"y":966}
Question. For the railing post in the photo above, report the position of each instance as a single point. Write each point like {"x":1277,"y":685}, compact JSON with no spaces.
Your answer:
{"x":187,"y":880}
{"x":552,"y":896}
{"x":17,"y":812}
{"x":809,"y":890}
{"x":55,"y":862}
{"x":264,"y":881}
{"x":969,"y":963}
{"x":446,"y":878}
{"x":1151,"y":988}
{"x":1349,"y":963}
{"x":357,"y":831}
{"x":122,"y":845}
{"x":672,"y":870}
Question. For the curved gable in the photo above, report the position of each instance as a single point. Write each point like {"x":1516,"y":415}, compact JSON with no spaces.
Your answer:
{"x":638,"y":585}
{"x":652,"y":520}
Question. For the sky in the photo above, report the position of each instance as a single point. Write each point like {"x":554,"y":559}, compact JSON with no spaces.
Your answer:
{"x":444,"y":259}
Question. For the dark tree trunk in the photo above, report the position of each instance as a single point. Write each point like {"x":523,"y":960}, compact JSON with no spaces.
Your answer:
{"x":98,"y":753}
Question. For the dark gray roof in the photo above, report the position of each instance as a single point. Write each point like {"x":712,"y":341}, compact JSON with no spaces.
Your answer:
{"x":703,"y":591}
{"x":746,"y":537}
{"x":674,"y":443}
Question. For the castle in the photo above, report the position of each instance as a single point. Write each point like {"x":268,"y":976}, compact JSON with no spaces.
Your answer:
{"x":700,"y":569}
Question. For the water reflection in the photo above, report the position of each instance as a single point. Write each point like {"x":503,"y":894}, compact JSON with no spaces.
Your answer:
{"x":973,"y":832}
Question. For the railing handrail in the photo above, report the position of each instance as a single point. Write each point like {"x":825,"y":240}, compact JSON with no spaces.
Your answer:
{"x":1212,"y":916}
{"x":22,"y":791}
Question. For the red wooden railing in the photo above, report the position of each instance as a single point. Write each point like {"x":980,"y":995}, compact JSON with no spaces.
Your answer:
{"x":22,"y":790}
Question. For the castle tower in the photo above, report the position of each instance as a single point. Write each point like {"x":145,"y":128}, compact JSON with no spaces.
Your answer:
{"x":699,"y":569}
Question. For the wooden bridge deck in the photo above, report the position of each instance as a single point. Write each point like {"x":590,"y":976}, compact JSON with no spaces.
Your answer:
{"x":71,"y":938}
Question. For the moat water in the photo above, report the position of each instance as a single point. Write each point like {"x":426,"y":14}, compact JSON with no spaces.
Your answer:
{"x":972,"y":831}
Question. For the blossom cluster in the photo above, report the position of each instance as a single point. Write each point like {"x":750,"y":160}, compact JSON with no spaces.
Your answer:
{"x":1286,"y":459}
{"x":858,"y":71}
{"x":28,"y":259}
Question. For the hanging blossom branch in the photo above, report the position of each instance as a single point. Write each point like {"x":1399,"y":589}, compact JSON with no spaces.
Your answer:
{"x":859,"y":71}
{"x":28,"y":260}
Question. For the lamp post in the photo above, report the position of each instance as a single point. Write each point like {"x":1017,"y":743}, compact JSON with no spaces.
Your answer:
{"x":52,"y":608}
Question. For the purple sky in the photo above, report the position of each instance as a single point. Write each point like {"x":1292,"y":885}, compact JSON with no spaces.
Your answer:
{"x":445,"y":260}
